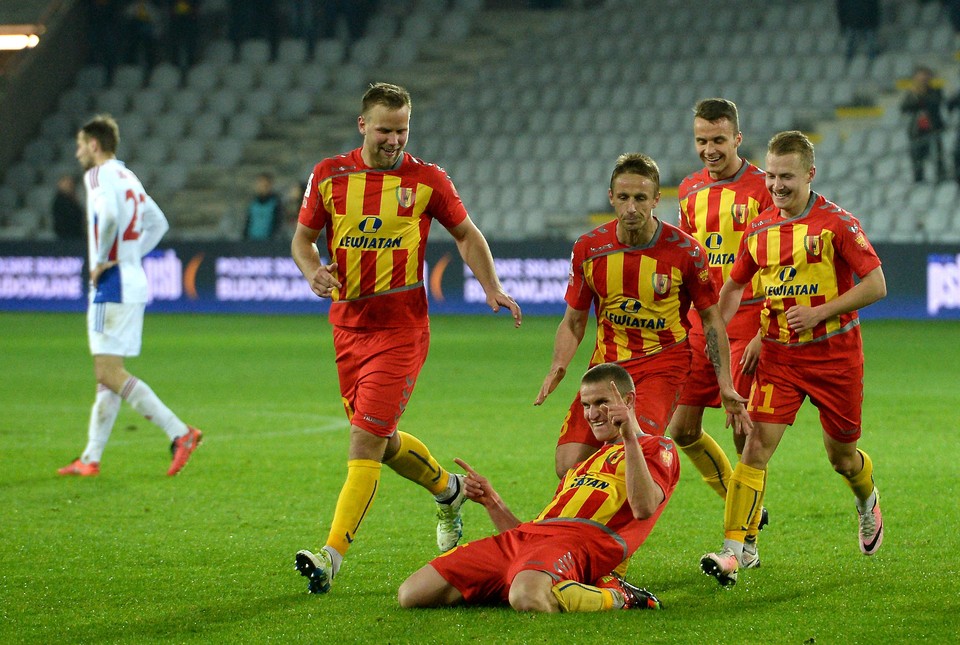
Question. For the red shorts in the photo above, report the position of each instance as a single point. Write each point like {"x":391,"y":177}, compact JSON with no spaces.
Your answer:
{"x":658,"y":379}
{"x":377,"y":370}
{"x":701,"y":389}
{"x":483,"y":571}
{"x":836,"y":389}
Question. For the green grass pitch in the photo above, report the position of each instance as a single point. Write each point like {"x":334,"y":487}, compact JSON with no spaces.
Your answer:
{"x":207,"y":557}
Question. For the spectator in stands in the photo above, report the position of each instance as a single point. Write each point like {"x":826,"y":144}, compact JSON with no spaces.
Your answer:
{"x":860,"y":25}
{"x":954,"y":104}
{"x":294,"y":197}
{"x":184,"y":29}
{"x":142,"y":26}
{"x":255,"y":19}
{"x":923,"y":105}
{"x":265,"y":210}
{"x":103,"y":27}
{"x":353,"y":12}
{"x":69,"y":221}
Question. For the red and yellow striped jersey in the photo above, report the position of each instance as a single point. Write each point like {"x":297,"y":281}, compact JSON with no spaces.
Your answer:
{"x":595,"y":491}
{"x":806,"y":260}
{"x":716,"y":213}
{"x":376,"y":224}
{"x":640,"y":295}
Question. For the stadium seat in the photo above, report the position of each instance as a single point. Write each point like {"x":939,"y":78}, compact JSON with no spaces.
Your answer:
{"x":74,"y":102}
{"x":154,"y":151}
{"x":165,"y":77}
{"x":330,"y":52}
{"x":223,"y":102}
{"x":169,"y":126}
{"x":189,"y":152}
{"x":185,"y":102}
{"x":128,"y":77}
{"x":294,"y":104}
{"x":367,"y":52}
{"x":243,"y":126}
{"x":207,"y":126}
{"x":203,"y":77}
{"x":260,"y":103}
{"x":292,"y":51}
{"x":113,"y":101}
{"x":255,"y":52}
{"x":148,"y":102}
{"x":219,"y":52}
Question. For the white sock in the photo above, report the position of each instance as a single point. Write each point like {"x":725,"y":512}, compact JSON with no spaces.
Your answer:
{"x":141,"y":397}
{"x":335,"y":558}
{"x":106,"y":406}
{"x":867,"y":505}
{"x":736,"y":547}
{"x":451,"y":491}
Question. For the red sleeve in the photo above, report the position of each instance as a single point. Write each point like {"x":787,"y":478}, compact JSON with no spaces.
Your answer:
{"x":445,"y":204}
{"x":855,"y":248}
{"x":313,"y":213}
{"x":662,"y":462}
{"x":579,"y":296}
{"x":699,"y":279}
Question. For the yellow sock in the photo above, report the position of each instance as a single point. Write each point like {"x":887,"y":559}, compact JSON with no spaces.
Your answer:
{"x":356,"y":497}
{"x":743,"y":499}
{"x":414,"y":461}
{"x":862,"y":483}
{"x":753,"y":528}
{"x":574,"y":596}
{"x":708,"y":457}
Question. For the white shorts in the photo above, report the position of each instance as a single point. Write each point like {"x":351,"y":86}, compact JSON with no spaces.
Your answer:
{"x":115,"y":328}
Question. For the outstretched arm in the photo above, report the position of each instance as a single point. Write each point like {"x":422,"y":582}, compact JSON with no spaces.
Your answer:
{"x":478,"y":488}
{"x":565,"y":344}
{"x":475,"y":252}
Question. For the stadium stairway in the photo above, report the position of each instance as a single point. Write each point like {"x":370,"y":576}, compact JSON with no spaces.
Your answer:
{"x":212,"y":203}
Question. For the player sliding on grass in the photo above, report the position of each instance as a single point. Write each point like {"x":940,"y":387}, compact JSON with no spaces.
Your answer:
{"x":123,"y":225}
{"x":375,"y":205}
{"x":602,"y":512}
{"x":806,"y":251}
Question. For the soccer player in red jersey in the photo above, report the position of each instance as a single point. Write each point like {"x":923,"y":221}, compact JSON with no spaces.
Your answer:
{"x":640,"y":275}
{"x":375,"y":205}
{"x":717,"y":203}
{"x":806,"y":252}
{"x":601,"y":513}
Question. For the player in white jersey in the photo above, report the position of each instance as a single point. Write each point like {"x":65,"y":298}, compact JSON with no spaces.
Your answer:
{"x":123,"y":225}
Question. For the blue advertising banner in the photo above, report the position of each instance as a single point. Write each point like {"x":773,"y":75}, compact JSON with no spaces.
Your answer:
{"x":923,"y":281}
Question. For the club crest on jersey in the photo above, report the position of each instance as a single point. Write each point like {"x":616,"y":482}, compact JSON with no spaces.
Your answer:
{"x":370,"y":224}
{"x":812,"y":244}
{"x":861,"y":241}
{"x":739,"y":212}
{"x":631,"y":306}
{"x":787,"y":274}
{"x":713,"y":241}
{"x":405,"y":197}
{"x":666,"y":458}
{"x":661,"y":283}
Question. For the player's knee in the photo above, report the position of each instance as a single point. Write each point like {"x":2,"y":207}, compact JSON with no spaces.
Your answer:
{"x":405,"y":595}
{"x":525,"y":599}
{"x":684,"y":434}
{"x":846,"y":465}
